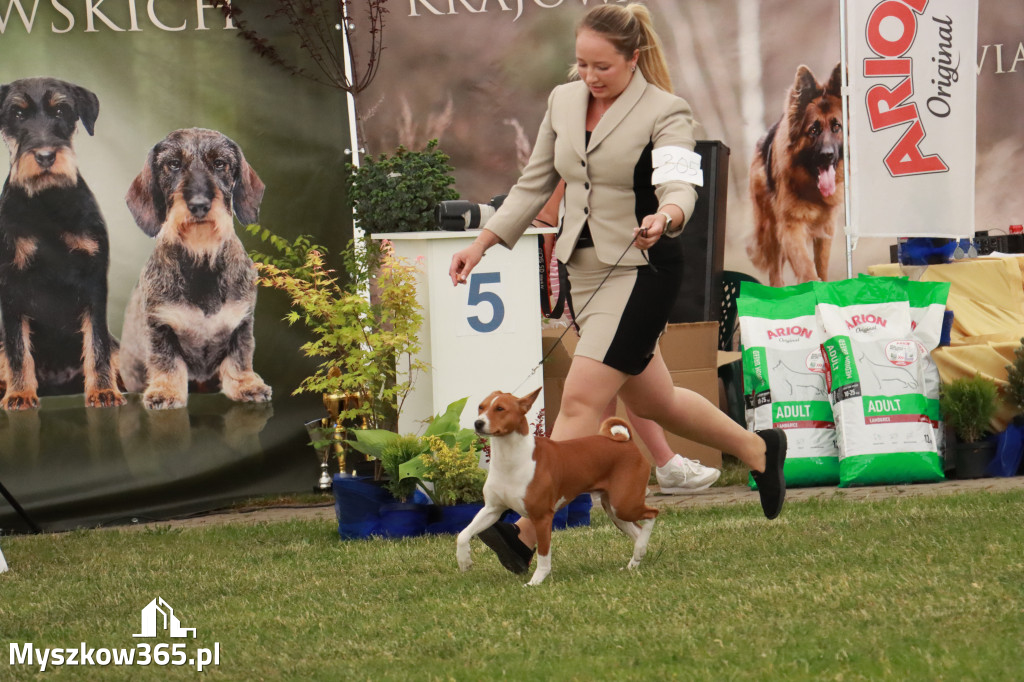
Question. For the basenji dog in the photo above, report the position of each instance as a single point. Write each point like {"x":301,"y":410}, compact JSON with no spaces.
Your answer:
{"x":535,"y":476}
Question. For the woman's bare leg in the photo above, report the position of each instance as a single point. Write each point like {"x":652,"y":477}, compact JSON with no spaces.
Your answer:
{"x":652,"y":395}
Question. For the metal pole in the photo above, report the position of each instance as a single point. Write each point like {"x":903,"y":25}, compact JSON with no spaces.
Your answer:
{"x":353,"y":128}
{"x":844,"y":47}
{"x":18,"y":508}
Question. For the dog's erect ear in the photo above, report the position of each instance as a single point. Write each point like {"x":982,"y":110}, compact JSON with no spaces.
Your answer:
{"x":145,"y":200}
{"x":88,"y":106}
{"x":802,"y":93}
{"x":835,"y":82}
{"x":526,"y":402}
{"x":247,"y":193}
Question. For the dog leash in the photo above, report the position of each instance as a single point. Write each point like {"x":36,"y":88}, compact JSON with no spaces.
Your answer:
{"x":561,"y":336}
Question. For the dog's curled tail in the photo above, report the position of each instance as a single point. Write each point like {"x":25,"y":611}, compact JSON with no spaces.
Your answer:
{"x":616,"y":429}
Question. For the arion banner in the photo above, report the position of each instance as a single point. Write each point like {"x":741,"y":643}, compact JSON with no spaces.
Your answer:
{"x":912,"y":106}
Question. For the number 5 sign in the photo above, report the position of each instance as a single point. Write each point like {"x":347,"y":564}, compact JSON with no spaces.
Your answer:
{"x":477,"y":337}
{"x":484,"y":311}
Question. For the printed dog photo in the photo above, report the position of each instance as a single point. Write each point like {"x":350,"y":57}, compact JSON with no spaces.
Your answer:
{"x":189,"y":321}
{"x":796,"y":181}
{"x":54,"y":253}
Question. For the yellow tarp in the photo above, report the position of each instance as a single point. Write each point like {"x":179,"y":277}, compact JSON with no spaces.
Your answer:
{"x":986,"y":296}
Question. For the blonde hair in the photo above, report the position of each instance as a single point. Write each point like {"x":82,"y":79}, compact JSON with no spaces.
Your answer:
{"x":629,"y":29}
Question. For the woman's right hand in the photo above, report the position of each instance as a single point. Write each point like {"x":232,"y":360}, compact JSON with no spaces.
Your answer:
{"x":464,"y":261}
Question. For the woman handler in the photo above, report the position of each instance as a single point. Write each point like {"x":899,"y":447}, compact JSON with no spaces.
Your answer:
{"x":624,"y":146}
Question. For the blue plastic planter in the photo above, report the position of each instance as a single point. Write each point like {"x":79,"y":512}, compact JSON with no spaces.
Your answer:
{"x":579,"y":511}
{"x":576,"y":513}
{"x":402,"y":520}
{"x":357,"y":504}
{"x":452,"y":518}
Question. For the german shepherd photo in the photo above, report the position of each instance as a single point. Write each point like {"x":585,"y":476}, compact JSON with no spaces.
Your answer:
{"x":796,"y":181}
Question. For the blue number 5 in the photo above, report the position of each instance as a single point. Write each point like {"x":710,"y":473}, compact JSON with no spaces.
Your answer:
{"x":476,"y":297}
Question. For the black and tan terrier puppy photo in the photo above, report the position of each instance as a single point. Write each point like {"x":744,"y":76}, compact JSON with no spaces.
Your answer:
{"x":54,"y":253}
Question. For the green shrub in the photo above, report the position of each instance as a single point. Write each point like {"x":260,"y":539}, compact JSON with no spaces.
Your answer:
{"x":399,"y":193}
{"x":455,"y":471}
{"x":968,"y":405}
{"x":360,"y":342}
{"x":392,"y":456}
{"x":1015,"y":379}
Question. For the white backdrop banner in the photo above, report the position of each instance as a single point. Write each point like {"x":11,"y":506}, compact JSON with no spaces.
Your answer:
{"x":912,"y":114}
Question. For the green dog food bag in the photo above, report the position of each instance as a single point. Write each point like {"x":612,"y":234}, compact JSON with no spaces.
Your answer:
{"x":755,"y":290}
{"x":875,"y":371}
{"x":927,"y":308}
{"x":784,"y":380}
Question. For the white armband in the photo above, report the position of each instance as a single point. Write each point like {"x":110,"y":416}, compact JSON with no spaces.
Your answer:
{"x":676,"y":164}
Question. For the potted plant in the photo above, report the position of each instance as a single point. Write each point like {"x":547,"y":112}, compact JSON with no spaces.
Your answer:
{"x":398,"y":193}
{"x":405,"y":517}
{"x":453,"y":469}
{"x":392,"y":456}
{"x":968,"y":405}
{"x":360,"y":343}
{"x":443,"y":429}
{"x":1009,"y":451}
{"x":1015,"y":383}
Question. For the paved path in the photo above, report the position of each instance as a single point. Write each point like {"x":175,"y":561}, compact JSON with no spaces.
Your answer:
{"x":710,"y":497}
{"x":735,"y":494}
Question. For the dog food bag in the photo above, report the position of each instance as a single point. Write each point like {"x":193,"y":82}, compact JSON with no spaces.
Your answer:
{"x":875,"y":372}
{"x":783,"y":375}
{"x":766,"y":293}
{"x":927,"y":306}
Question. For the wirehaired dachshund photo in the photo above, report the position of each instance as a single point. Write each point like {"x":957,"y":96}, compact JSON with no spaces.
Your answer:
{"x":54,"y":253}
{"x":189,"y":321}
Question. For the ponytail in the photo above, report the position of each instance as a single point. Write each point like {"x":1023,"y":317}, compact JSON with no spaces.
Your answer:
{"x":630,"y":29}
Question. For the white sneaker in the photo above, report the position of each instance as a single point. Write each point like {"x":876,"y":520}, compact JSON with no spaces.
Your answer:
{"x":682,"y":475}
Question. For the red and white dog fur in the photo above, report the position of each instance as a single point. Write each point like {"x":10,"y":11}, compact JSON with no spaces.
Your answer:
{"x":535,"y":476}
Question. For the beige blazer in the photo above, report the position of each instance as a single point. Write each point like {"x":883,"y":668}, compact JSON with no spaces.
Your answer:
{"x":599,"y":177}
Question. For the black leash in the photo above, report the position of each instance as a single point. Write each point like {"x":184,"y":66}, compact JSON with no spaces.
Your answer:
{"x":576,"y":314}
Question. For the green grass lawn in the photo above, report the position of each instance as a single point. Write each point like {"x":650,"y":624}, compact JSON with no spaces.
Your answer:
{"x":925,"y":588}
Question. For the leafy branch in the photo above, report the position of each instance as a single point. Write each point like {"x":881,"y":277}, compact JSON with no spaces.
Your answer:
{"x":360,"y":341}
{"x":316,"y":24}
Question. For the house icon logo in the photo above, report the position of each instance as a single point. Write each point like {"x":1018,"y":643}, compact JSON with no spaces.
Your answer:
{"x":158,"y":614}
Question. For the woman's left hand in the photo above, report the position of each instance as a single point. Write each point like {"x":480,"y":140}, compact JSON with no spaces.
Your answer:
{"x":650,"y":231}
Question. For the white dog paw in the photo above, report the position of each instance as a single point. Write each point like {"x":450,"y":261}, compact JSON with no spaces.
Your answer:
{"x":464,"y":559}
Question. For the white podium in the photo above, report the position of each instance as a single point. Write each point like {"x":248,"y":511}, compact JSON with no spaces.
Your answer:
{"x":479,"y":337}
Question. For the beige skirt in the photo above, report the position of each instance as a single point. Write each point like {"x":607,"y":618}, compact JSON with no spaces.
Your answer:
{"x":620,"y":311}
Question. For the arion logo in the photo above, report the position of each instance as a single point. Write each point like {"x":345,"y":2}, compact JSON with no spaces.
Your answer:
{"x":790,"y":333}
{"x":158,"y":615}
{"x":868,"y":322}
